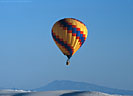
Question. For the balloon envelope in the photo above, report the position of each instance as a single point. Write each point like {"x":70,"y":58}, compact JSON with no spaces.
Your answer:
{"x":69,"y":35}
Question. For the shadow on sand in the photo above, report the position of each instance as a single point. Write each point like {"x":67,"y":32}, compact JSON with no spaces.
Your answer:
{"x":73,"y":93}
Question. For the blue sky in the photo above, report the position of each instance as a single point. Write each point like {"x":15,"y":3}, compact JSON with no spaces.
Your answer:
{"x":29,"y":57}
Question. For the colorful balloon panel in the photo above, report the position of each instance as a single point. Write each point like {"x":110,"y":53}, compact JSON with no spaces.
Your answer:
{"x":69,"y":35}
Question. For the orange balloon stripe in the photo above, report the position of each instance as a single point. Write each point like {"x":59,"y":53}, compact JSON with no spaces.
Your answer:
{"x":62,"y":43}
{"x":79,"y":21}
{"x":77,"y":29}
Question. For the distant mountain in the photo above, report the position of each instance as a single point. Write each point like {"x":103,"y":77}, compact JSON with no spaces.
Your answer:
{"x":82,"y":86}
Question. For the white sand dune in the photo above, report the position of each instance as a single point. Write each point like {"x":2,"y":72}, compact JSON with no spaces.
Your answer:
{"x":52,"y":93}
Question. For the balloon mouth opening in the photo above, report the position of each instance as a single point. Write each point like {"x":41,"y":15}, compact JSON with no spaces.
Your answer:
{"x":69,"y":56}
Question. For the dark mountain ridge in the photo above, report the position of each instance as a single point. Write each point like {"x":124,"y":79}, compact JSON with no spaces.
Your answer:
{"x":72,"y":85}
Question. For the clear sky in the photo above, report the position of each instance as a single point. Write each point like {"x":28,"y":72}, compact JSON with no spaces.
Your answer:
{"x":29,"y":57}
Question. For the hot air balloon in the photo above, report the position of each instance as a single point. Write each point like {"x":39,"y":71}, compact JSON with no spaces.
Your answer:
{"x":69,"y":35}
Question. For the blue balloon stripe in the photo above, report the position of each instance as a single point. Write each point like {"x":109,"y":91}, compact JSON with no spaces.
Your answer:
{"x":74,"y":30}
{"x":69,"y":49}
